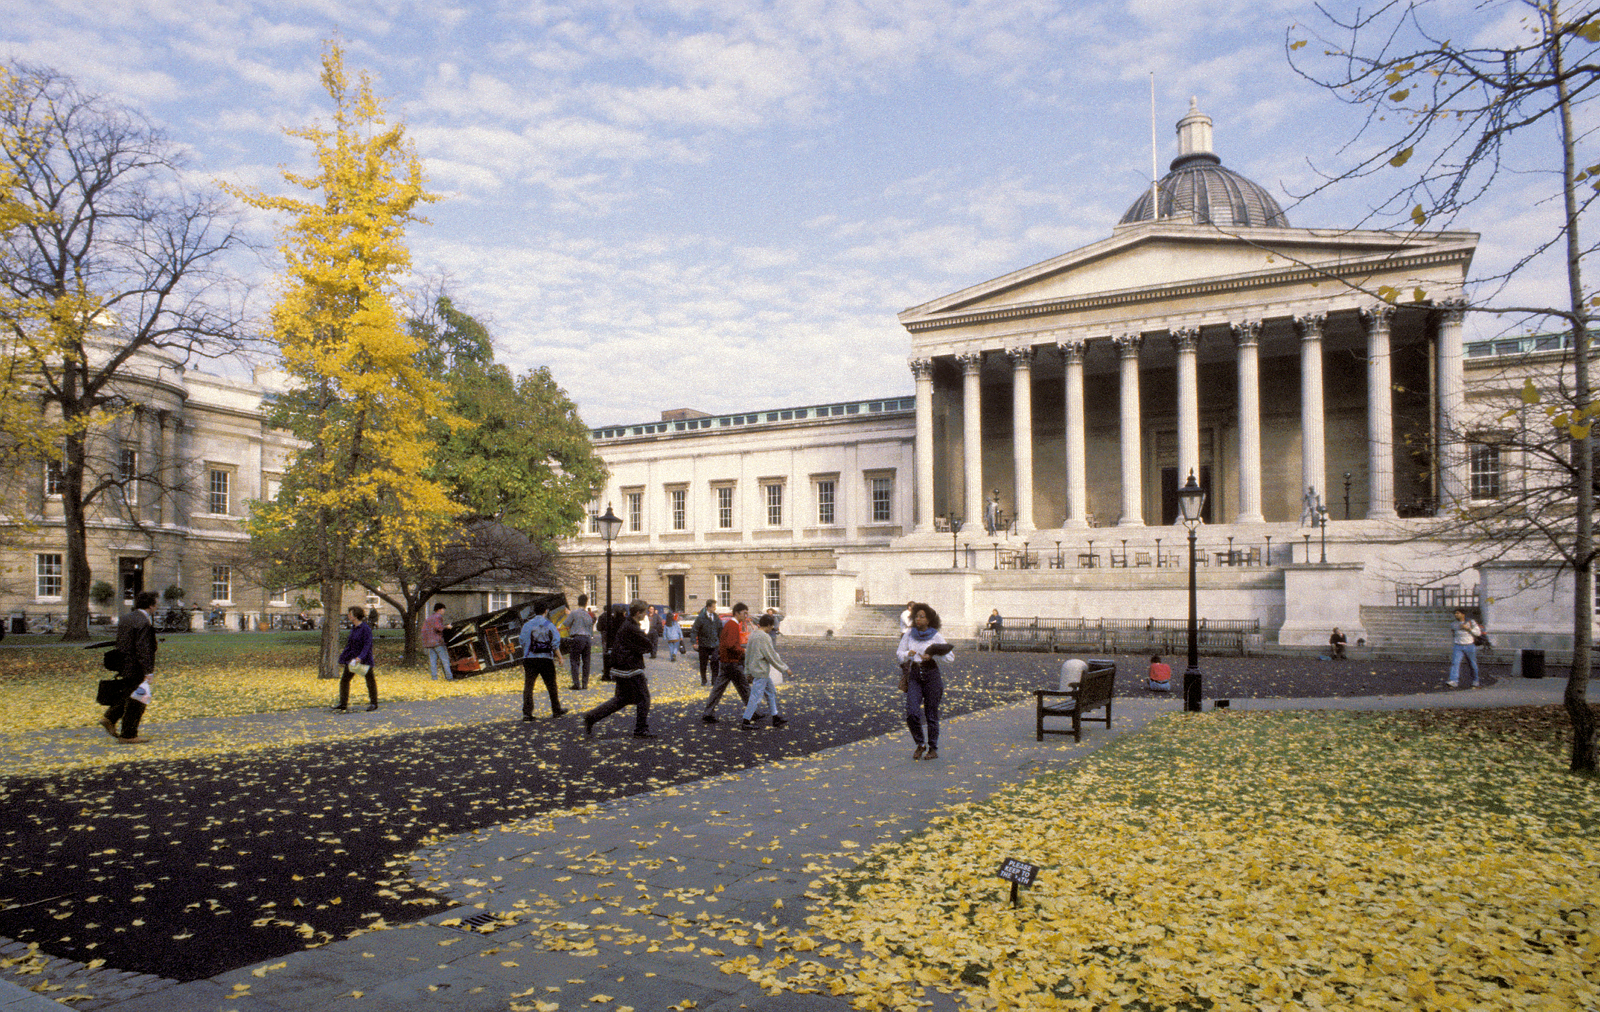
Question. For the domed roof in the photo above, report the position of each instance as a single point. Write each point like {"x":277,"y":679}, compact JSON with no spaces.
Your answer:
{"x":1198,"y":185}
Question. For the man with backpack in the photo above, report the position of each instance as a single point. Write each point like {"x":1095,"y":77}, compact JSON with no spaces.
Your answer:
{"x":541,"y":651}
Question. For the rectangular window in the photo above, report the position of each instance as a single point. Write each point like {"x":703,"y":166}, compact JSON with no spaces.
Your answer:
{"x":221,"y":584}
{"x":591,"y":587}
{"x":774,"y":496}
{"x":48,"y":574}
{"x":635,"y":511}
{"x":594,"y":518}
{"x":773,"y":597}
{"x":217,"y":492}
{"x":724,"y":590}
{"x":55,"y":479}
{"x":882,"y":500}
{"x":825,"y":502}
{"x":279,"y":596}
{"x":1485,"y":471}
{"x":677,"y":499}
{"x":127,"y":473}
{"x":725,"y":507}
{"x":630,"y":585}
{"x":499,"y":599}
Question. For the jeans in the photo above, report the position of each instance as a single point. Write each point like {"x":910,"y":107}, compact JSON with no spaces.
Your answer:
{"x":439,"y":657}
{"x":728,"y":673}
{"x":634,"y":690}
{"x":761,"y":688}
{"x":672,"y":650}
{"x":578,"y":646}
{"x":708,"y":655}
{"x":534,"y":668}
{"x":1458,"y":651}
{"x":926,"y":688}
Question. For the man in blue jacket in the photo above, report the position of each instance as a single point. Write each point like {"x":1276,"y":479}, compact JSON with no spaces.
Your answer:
{"x":541,"y":651}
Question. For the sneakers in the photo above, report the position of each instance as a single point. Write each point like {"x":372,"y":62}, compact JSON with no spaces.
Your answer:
{"x":374,"y":706}
{"x":746,"y":722}
{"x":932,"y":753}
{"x":560,"y":713}
{"x":1453,"y":685}
{"x":110,"y":726}
{"x":778,"y":721}
{"x":918,"y":753}
{"x":135,"y":740}
{"x":340,"y":709}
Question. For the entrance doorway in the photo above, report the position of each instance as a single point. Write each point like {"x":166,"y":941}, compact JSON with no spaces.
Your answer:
{"x":130,"y":574}
{"x":1169,"y":494}
{"x":675,"y":599}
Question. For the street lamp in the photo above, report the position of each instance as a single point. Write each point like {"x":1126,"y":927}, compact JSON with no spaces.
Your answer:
{"x":1322,"y":521}
{"x":610,"y":526}
{"x":955,"y":530}
{"x":1191,"y":499}
{"x":1347,"y":495}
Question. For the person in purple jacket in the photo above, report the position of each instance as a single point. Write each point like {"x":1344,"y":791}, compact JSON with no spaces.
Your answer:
{"x":357,"y":650}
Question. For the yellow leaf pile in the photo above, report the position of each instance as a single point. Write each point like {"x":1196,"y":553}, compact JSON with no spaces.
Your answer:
{"x":1245,"y":862}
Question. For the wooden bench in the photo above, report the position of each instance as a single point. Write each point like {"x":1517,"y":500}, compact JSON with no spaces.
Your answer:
{"x":1091,"y":693}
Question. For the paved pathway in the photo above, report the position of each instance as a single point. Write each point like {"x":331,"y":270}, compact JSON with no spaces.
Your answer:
{"x":637,"y":900}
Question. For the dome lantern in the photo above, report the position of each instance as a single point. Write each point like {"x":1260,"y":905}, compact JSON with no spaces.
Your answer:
{"x":1198,"y":186}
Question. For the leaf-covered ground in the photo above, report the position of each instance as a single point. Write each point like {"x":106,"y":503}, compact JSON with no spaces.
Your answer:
{"x":1442,"y":860}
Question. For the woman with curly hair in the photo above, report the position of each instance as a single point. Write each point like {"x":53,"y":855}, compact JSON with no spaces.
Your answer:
{"x":920,"y":679}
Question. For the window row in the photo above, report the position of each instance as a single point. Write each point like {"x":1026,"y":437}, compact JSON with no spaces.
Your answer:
{"x":49,"y":581}
{"x":771,"y":590}
{"x":825,"y":503}
{"x":218,"y":493}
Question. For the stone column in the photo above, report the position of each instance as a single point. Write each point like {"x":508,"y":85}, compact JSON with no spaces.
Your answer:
{"x":972,"y":432}
{"x":1077,"y":470}
{"x":1247,"y":338}
{"x":1380,"y":414}
{"x":1132,"y":487}
{"x":1022,"y":435}
{"x":1452,"y":453}
{"x":1313,"y":451}
{"x":1186,"y":343}
{"x":922,"y":369}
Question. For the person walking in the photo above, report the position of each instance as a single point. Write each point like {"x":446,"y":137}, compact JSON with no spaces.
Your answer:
{"x":760,"y":660}
{"x":357,"y":660}
{"x":707,"y":633}
{"x":628,"y":646}
{"x":730,"y":661}
{"x":136,"y":643}
{"x":673,"y":634}
{"x":1463,"y":644}
{"x":608,"y":625}
{"x":541,"y":652}
{"x":921,"y":679}
{"x":433,"y":644}
{"x":653,"y":627}
{"x":580,"y":626}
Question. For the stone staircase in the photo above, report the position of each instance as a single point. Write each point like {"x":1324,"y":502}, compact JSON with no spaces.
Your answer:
{"x":1411,"y":630}
{"x":873,"y":620}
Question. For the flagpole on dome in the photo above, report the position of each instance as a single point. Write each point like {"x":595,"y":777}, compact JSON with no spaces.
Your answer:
{"x":1155,"y":164}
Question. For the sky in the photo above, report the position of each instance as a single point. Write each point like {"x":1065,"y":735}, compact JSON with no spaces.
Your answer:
{"x":723,"y":205}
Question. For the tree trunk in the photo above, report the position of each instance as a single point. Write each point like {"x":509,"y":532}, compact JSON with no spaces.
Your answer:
{"x":408,"y":621}
{"x":328,"y":660}
{"x":72,"y":511}
{"x":1576,"y":696}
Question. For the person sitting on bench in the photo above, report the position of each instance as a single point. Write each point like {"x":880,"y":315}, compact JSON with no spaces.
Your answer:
{"x":1072,"y":671}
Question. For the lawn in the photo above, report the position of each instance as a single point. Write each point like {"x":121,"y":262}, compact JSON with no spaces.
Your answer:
{"x":53,"y":686}
{"x":1426,"y":860}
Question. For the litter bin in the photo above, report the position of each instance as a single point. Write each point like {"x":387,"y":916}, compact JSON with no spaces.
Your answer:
{"x":1531,"y":662}
{"x":19,"y":622}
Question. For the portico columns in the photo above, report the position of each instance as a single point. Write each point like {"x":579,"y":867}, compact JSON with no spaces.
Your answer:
{"x":1452,"y":397}
{"x":1313,"y":452}
{"x":1186,"y":343}
{"x":1247,"y":338}
{"x":1380,"y":414}
{"x":1077,"y":470}
{"x":972,"y":432}
{"x":1132,"y":489}
{"x":922,"y":369}
{"x":1022,"y":436}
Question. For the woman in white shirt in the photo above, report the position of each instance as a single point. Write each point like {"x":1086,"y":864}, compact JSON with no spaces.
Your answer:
{"x":921,"y":679}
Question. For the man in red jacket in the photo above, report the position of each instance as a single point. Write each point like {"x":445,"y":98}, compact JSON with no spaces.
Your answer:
{"x":730,"y":657}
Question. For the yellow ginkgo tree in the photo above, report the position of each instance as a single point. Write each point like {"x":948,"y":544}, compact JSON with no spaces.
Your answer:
{"x":360,"y":399}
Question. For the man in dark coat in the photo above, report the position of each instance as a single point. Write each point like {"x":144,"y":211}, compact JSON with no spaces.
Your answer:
{"x":707,"y":633}
{"x":136,"y":642}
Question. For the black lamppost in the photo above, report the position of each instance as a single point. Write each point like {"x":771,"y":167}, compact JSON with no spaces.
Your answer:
{"x":610,"y":527}
{"x":1347,"y":495}
{"x":1322,"y":521}
{"x":1191,"y":499}
{"x":955,"y":529}
{"x":1269,"y":549}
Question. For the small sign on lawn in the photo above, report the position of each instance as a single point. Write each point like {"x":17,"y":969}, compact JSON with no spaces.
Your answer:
{"x":1017,"y":872}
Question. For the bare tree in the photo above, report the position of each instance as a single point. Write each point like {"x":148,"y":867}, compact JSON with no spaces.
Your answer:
{"x":124,"y":272}
{"x":1473,"y":117}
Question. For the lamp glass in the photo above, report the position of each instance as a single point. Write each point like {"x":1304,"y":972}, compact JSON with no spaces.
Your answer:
{"x":610,"y":524}
{"x":1191,"y":500}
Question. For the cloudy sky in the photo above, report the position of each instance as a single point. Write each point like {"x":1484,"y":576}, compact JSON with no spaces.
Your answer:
{"x":723,"y":204}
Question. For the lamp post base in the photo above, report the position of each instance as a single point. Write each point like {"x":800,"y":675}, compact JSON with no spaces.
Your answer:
{"x":1191,"y":690}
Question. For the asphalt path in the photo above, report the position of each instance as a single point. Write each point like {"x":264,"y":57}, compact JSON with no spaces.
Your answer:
{"x":185,"y":868}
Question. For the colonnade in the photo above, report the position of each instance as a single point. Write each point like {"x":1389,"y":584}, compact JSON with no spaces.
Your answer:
{"x":1376,"y":321}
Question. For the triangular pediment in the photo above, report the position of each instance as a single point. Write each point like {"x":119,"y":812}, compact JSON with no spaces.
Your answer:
{"x":1165,"y":256}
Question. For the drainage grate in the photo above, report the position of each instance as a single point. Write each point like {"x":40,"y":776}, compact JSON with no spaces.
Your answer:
{"x":476,"y":921}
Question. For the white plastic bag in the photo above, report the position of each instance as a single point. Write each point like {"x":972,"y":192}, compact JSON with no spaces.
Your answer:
{"x":142,"y":693}
{"x":776,"y":674}
{"x":358,"y":669}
